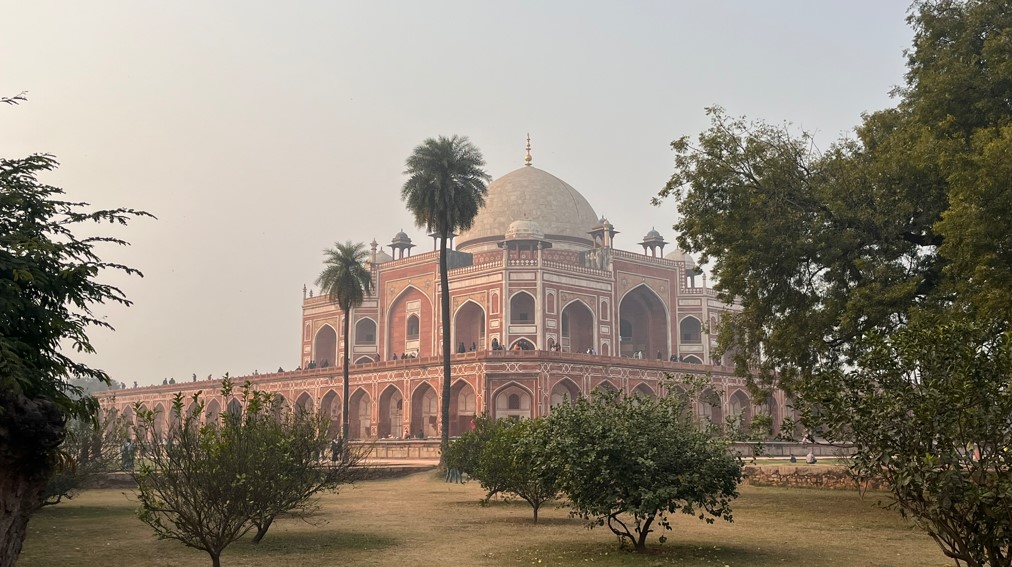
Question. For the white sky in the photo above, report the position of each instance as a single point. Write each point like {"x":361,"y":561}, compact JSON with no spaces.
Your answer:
{"x":261,"y":132}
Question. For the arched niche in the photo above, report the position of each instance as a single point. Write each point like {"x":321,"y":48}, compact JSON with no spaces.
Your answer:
{"x":409,"y":324}
{"x":512,"y":402}
{"x":577,"y":327}
{"x":643,"y":323}
{"x":522,"y":309}
{"x":708,"y":408}
{"x":469,"y":326}
{"x":212,"y":411}
{"x":304,"y":403}
{"x":739,"y":407}
{"x":330,"y":406}
{"x":424,"y":412}
{"x":365,"y":331}
{"x":463,"y":407}
{"x":565,"y":391}
{"x":391,"y":414}
{"x":690,"y":331}
{"x":325,"y":346}
{"x":360,"y":412}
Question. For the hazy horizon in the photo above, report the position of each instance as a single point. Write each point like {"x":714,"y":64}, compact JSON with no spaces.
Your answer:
{"x":261,"y":133}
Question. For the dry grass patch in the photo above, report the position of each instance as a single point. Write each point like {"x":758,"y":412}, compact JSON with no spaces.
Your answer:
{"x":420,"y":520}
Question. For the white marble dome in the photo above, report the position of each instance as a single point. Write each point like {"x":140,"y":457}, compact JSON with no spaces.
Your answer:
{"x":531,"y":194}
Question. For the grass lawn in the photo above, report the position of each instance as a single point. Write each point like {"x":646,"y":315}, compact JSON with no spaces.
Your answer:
{"x":419,"y":520}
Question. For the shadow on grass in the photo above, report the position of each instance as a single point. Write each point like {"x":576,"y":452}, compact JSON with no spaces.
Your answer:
{"x":313,"y":542}
{"x":670,"y":552}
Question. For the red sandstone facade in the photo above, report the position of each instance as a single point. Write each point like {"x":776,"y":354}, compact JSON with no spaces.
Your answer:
{"x":569,"y":311}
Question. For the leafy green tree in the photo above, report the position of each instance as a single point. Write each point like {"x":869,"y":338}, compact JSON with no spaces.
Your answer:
{"x":346,"y":282}
{"x":446,"y":187}
{"x":48,"y":288}
{"x":629,"y":462}
{"x":207,"y":485}
{"x":854,"y":266}
{"x":515,"y":461}
{"x":464,"y":452}
{"x":92,"y":448}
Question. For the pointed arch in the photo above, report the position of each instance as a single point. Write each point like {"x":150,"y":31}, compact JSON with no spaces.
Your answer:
{"x":643,"y":390}
{"x":739,"y":407}
{"x":605,"y":386}
{"x":424,"y":411}
{"x":160,"y":420}
{"x":409,"y":323}
{"x":577,"y":326}
{"x":524,"y":342}
{"x":365,"y":360}
{"x":565,"y":391}
{"x":212,"y":411}
{"x":330,"y":406}
{"x":304,"y":403}
{"x":463,"y":407}
{"x":643,"y":323}
{"x":391,"y":414}
{"x":522,"y":305}
{"x":469,"y":325}
{"x":709,"y":408}
{"x":360,"y":414}
{"x":234,"y":407}
{"x":512,"y":401}
{"x":325,"y":346}
{"x":690,"y":330}
{"x":692,"y":359}
{"x":365,"y":331}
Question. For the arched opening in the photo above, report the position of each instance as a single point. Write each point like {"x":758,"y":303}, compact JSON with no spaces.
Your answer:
{"x":522,"y":344}
{"x":771,"y":409}
{"x":522,"y":309}
{"x":391,"y":416}
{"x":605,"y":349}
{"x":360,"y":411}
{"x":212,"y":411}
{"x":605,"y":386}
{"x":642,"y":390}
{"x":709,"y":408}
{"x":280,"y":406}
{"x":739,"y":407}
{"x":424,"y":412}
{"x":330,"y":406}
{"x":159,"y":421}
{"x":692,"y":359}
{"x":690,"y":331}
{"x":469,"y":326}
{"x":550,"y":303}
{"x":365,"y":332}
{"x":364,"y":360}
{"x":304,"y":403}
{"x":234,"y":408}
{"x":643,"y":324}
{"x":463,"y":408}
{"x":577,"y":327}
{"x":564,"y":392}
{"x":409,"y":324}
{"x":512,"y":402}
{"x":325,"y":347}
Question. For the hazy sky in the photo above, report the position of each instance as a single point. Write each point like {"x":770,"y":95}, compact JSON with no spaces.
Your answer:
{"x":261,"y":132}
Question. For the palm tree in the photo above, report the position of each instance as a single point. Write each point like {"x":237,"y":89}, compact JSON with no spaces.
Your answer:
{"x":347,"y":282}
{"x":444,"y":190}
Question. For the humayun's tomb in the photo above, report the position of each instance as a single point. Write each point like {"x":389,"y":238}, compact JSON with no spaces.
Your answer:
{"x":543,"y":307}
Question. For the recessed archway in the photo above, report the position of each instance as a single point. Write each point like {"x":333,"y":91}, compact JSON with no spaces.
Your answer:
{"x":469,"y":326}
{"x":739,"y":407}
{"x":360,"y":411}
{"x":463,"y":407}
{"x":365,"y":332}
{"x":708,"y":408}
{"x":424,"y":411}
{"x":522,"y":309}
{"x":564,"y":392}
{"x":577,"y":327}
{"x":690,"y":331}
{"x":409,"y":323}
{"x":304,"y":403}
{"x":643,"y":323}
{"x":212,"y":411}
{"x":643,"y":391}
{"x":513,"y":402}
{"x":330,"y":406}
{"x":391,"y":414}
{"x":325,"y":347}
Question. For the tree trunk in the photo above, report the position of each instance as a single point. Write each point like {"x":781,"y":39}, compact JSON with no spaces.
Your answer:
{"x":262,"y":529}
{"x":344,"y":399}
{"x":641,"y":542}
{"x":444,"y":282}
{"x":215,"y":559}
{"x":30,"y":431}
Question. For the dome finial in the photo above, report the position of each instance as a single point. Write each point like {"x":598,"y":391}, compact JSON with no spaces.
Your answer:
{"x":527,"y":159}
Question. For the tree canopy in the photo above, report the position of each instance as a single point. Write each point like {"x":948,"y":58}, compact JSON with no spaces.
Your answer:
{"x":49,"y":286}
{"x":855,"y":267}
